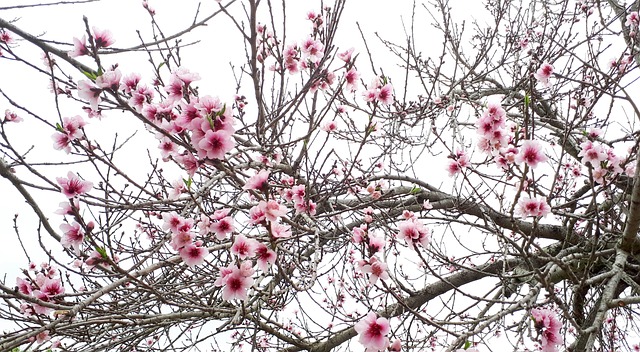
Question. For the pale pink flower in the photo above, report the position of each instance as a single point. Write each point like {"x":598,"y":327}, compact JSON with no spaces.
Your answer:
{"x":193,"y":254}
{"x":346,"y":55}
{"x":24,"y":286}
{"x":376,"y":244}
{"x":79,"y":47}
{"x":376,"y":269}
{"x":313,"y":50}
{"x":73,"y":186}
{"x":351,"y":78}
{"x":258,"y":182}
{"x":223,"y":227}
{"x":10,"y":116}
{"x":385,"y":95}
{"x":544,"y":73}
{"x":73,"y":236}
{"x":109,"y":80}
{"x":102,"y":38}
{"x":373,"y":331}
{"x":593,"y":154}
{"x":414,"y":232}
{"x":531,"y":154}
{"x":279,"y":230}
{"x":633,"y":19}
{"x":548,"y":326}
{"x":532,"y":207}
{"x":89,"y":92}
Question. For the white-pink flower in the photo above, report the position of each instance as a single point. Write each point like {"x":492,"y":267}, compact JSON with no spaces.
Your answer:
{"x":73,"y":186}
{"x":373,"y":331}
{"x":548,"y":326}
{"x":532,"y":207}
{"x":531,"y":154}
{"x":544,"y":73}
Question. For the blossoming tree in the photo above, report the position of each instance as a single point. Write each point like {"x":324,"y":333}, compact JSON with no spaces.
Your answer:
{"x":481,"y":195}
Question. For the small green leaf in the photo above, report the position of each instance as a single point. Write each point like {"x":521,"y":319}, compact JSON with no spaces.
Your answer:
{"x":92,"y":76}
{"x":103,"y":252}
{"x":161,"y":64}
{"x":467,"y":345}
{"x":188,"y":182}
{"x":416,"y":190}
{"x":221,"y":112}
{"x":527,"y":101}
{"x":59,"y":127}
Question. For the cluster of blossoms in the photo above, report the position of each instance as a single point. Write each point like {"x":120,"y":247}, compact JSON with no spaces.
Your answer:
{"x":46,"y":286}
{"x":494,"y":140}
{"x":70,"y":131}
{"x":73,"y":233}
{"x":458,"y":162}
{"x":413,"y":231}
{"x":379,"y":91}
{"x":548,"y":326}
{"x":183,"y":239}
{"x":602,"y":161}
{"x":373,"y":244}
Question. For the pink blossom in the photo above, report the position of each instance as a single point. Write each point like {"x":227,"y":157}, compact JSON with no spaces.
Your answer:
{"x":396,"y":346}
{"x":10,"y":116}
{"x":89,"y":92}
{"x":351,"y":77}
{"x":376,"y":244}
{"x":73,"y":236}
{"x":330,"y":126}
{"x":414,"y":232}
{"x":73,"y":186}
{"x":458,"y":162}
{"x":244,"y":247}
{"x":102,"y":38}
{"x":376,"y":269}
{"x":24,"y":286}
{"x":633,"y":19}
{"x":223,"y":227}
{"x":258,"y":182}
{"x":51,"y":287}
{"x":266,"y":257}
{"x":279,"y":230}
{"x":236,"y":281}
{"x":79,"y":47}
{"x":548,"y":326}
{"x":373,"y":331}
{"x":193,"y":254}
{"x":346,"y":55}
{"x":313,"y":50}
{"x":544,"y":73}
{"x":385,"y":95}
{"x":109,"y":80}
{"x":532,"y":207}
{"x":531,"y":154}
{"x":215,"y":145}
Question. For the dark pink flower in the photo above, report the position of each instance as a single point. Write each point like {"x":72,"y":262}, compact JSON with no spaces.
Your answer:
{"x":73,"y":186}
{"x":223,"y":227}
{"x":373,"y":331}
{"x":376,"y":269}
{"x":236,"y":281}
{"x":215,"y":145}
